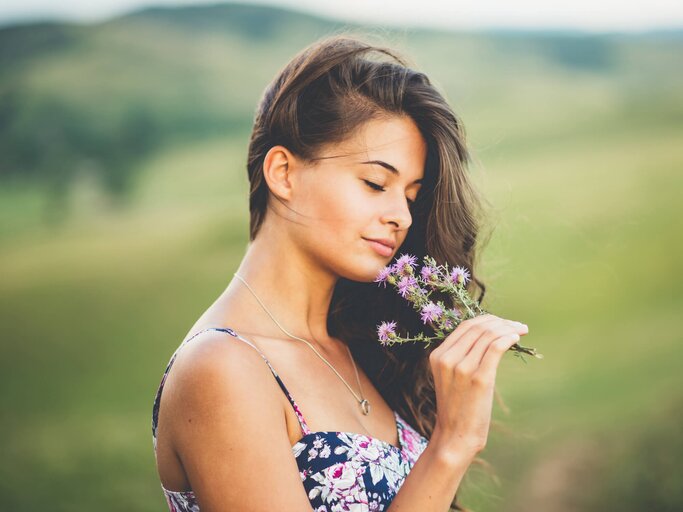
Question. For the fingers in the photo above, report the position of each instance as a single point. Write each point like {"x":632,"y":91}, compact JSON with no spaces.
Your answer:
{"x":494,"y":353}
{"x":454,"y":348}
{"x":512,"y":330}
{"x":465,"y":349}
{"x":460,"y":332}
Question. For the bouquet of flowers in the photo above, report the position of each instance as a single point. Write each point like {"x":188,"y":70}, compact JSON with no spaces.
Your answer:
{"x":418,"y":288}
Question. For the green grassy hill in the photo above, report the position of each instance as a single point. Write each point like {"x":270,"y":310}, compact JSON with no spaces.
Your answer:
{"x":123,"y":200}
{"x":100,"y":98}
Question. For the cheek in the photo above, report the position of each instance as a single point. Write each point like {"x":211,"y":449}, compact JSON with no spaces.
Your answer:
{"x":342,"y":209}
{"x":343,"y":215}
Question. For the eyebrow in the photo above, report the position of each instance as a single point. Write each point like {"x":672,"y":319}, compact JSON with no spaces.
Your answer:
{"x":388,"y":167}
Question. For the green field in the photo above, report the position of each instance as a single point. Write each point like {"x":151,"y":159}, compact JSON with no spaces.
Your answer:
{"x":579,"y":152}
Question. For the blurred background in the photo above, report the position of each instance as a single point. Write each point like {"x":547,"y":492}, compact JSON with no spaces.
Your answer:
{"x":123,"y":214}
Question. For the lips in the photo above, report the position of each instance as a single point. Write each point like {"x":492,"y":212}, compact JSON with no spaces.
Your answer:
{"x":381,"y":246}
{"x":384,"y":241}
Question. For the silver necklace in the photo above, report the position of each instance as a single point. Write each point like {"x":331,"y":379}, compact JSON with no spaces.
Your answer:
{"x":364,"y":404}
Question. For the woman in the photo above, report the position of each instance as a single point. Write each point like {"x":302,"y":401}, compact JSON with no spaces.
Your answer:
{"x":281,"y":397}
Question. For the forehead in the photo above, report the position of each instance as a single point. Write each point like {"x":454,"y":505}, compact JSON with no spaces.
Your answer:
{"x":394,"y":140}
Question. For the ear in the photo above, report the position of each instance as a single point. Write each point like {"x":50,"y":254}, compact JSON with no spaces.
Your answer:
{"x":278,"y":165}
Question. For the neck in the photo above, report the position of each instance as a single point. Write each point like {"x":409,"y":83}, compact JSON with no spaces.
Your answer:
{"x":295,"y":291}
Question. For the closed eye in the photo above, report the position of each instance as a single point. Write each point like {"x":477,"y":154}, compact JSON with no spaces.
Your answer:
{"x":380,"y":188}
{"x":374,"y":185}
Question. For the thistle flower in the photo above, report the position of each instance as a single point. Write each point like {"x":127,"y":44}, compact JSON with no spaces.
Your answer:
{"x":459,"y":275}
{"x":416,"y":288}
{"x":428,"y":273}
{"x":404,"y":265}
{"x":385,"y":331}
{"x":431,"y":313}
{"x":405,"y":284}
{"x":384,"y":275}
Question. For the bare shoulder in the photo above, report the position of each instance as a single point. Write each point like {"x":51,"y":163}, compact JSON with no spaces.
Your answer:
{"x":216,"y":370}
{"x":229,"y":428}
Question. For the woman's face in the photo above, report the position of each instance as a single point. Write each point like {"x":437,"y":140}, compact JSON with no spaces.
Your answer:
{"x":351,"y":194}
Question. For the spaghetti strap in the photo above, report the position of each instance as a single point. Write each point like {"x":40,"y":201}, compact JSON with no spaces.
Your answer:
{"x":231,"y":332}
{"x":295,"y":406}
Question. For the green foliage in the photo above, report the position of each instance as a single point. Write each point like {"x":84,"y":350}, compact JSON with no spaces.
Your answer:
{"x":23,"y":45}
{"x":98,"y":99}
{"x":254,"y":23}
{"x":48,"y":141}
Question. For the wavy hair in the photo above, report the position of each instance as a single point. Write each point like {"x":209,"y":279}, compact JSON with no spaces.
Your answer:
{"x":326,"y":92}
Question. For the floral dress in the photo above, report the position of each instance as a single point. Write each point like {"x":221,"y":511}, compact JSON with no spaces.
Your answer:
{"x":340,"y":471}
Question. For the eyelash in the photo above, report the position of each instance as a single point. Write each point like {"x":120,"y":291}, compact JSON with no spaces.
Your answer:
{"x":379,"y":188}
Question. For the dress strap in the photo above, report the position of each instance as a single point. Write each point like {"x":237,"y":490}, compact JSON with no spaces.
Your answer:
{"x":295,"y":406}
{"x":231,"y":332}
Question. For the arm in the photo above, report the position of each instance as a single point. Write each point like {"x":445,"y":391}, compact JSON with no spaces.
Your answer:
{"x":464,"y":367}
{"x":229,"y":430}
{"x":434,"y":479}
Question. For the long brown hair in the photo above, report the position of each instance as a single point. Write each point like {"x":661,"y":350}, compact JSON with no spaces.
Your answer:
{"x":320,"y":97}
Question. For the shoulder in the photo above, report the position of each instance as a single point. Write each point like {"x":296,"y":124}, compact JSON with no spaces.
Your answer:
{"x":229,"y":424}
{"x":213,"y":351}
{"x":216,"y":374}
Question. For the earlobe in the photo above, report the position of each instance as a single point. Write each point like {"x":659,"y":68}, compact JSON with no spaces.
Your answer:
{"x":276,"y":167}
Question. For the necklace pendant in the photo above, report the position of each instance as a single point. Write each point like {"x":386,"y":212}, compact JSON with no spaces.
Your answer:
{"x":365,"y":407}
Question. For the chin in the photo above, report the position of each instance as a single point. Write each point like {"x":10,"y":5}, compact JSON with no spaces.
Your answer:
{"x":366,"y":271}
{"x":362,"y":265}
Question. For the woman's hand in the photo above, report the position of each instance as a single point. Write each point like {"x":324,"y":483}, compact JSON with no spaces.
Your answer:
{"x":464,"y":367}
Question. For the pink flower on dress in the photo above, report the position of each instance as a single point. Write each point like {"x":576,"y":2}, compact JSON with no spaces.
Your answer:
{"x":338,"y":482}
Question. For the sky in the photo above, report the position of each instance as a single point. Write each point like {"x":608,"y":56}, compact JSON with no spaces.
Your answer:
{"x":582,"y":15}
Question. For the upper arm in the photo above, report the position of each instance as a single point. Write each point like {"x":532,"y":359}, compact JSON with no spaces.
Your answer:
{"x":230,"y":432}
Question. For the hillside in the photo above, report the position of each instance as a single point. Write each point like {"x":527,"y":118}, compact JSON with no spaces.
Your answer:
{"x":100,"y":98}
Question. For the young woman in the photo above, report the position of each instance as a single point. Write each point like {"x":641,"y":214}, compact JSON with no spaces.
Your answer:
{"x":281,"y":397}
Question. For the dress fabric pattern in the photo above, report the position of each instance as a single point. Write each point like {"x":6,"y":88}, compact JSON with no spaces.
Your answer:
{"x":340,"y":471}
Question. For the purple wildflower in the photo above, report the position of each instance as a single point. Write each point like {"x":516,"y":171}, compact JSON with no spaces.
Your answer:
{"x":381,"y":278}
{"x":405,"y":284}
{"x":428,"y":272}
{"x":459,"y":275}
{"x":405,"y":262}
{"x":385,"y":331}
{"x":431,"y":312}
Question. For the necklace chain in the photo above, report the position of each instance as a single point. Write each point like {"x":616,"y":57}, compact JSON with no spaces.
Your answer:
{"x":364,"y":404}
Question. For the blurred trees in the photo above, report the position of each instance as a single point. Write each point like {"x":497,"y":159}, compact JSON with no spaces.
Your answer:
{"x":48,"y":141}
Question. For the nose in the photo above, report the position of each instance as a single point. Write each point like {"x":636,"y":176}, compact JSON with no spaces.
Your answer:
{"x":399,"y":215}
